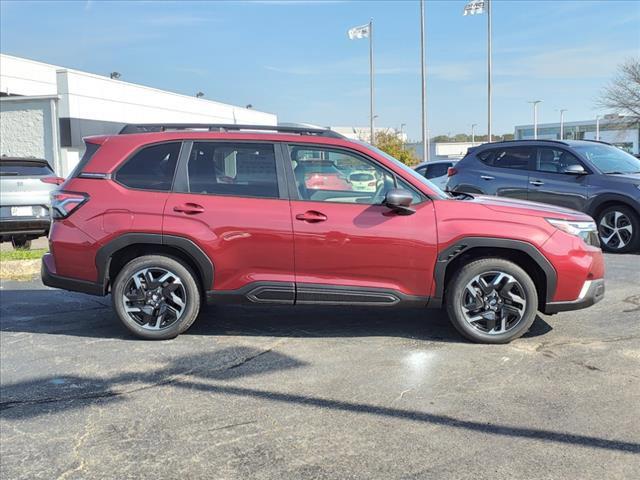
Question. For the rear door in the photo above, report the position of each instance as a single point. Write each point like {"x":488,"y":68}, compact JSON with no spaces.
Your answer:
{"x":549,"y":184}
{"x":230,"y":199}
{"x":506,"y":171}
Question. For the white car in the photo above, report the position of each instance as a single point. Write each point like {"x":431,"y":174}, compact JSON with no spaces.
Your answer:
{"x":436,"y":171}
{"x":363,"y":181}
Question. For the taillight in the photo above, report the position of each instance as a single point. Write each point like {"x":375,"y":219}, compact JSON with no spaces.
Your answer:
{"x":64,"y":203}
{"x":52,"y":180}
{"x":451,"y":171}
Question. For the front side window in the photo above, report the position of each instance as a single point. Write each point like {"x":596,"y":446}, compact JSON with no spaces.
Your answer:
{"x":554,"y":160}
{"x":610,"y":159}
{"x":326,"y":175}
{"x":518,"y":158}
{"x":237,"y":169}
{"x":152,"y":168}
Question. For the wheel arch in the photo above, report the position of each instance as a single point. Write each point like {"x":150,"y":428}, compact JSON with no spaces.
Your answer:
{"x":523,"y":254}
{"x":599,"y":203}
{"x":114,"y":255}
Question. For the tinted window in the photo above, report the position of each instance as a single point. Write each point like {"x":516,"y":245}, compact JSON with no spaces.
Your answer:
{"x":437,"y":170}
{"x":89,"y":151}
{"x":152,"y":168}
{"x":244,"y":169}
{"x":16,"y":168}
{"x":512,"y":157}
{"x":554,"y":160}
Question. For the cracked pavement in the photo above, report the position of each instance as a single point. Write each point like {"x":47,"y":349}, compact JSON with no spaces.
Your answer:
{"x":310,"y":392}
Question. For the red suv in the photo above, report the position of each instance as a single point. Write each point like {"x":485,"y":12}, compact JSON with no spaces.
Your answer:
{"x":164,"y":216}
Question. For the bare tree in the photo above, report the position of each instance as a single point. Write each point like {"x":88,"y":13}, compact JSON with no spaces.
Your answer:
{"x":622,"y":95}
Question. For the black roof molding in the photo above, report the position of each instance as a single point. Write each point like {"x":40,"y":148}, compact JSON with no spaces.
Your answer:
{"x":215,"y":127}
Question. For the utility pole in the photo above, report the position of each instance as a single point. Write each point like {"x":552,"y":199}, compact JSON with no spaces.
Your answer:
{"x":562,"y":110}
{"x":598,"y":127}
{"x":473,"y":133}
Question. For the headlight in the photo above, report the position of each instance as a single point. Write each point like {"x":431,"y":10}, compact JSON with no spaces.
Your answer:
{"x":587,"y":231}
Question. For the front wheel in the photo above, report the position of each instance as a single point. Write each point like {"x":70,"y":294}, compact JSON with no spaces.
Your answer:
{"x":156,"y":297}
{"x":491,"y":300}
{"x":619,"y":229}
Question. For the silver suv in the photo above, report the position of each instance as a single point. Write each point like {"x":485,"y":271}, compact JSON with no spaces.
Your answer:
{"x":25,"y":184}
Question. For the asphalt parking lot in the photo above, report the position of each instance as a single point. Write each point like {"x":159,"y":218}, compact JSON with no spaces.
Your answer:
{"x":253,"y":392}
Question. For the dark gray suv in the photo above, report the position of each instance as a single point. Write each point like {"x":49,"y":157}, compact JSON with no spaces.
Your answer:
{"x":593,"y":177}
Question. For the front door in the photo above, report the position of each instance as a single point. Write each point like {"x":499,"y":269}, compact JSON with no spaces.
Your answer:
{"x":549,"y":184}
{"x":230,"y":202}
{"x":348,"y":247}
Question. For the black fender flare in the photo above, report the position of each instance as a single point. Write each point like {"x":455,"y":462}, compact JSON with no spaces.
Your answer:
{"x":188,"y":247}
{"x":467,"y":243}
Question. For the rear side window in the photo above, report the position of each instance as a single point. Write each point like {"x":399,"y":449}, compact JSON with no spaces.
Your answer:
{"x":89,"y":151}
{"x":17,"y":168}
{"x":152,"y":168}
{"x":520,"y":158}
{"x":242,"y":169}
{"x":437,"y":170}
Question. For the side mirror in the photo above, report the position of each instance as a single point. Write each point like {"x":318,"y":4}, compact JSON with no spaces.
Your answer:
{"x":575,"y":170}
{"x":399,"y":200}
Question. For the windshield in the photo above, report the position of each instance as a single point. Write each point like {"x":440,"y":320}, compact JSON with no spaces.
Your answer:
{"x":410,"y":171}
{"x":609,"y":159}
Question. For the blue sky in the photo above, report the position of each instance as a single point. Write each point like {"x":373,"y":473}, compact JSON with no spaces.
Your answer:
{"x":293,"y":58}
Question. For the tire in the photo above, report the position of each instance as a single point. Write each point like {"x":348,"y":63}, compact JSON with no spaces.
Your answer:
{"x":512,"y":283}
{"x":163,"y":317}
{"x":22,"y":243}
{"x":619,"y":229}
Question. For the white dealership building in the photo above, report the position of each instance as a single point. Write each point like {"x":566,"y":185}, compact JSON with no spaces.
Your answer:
{"x":46,"y":110}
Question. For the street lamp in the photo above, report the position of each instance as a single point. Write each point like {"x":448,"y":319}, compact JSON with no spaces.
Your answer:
{"x":478,"y":7}
{"x":597,"y":127}
{"x":423,"y":71}
{"x":562,"y":110}
{"x":473,"y":133}
{"x":402,"y":125}
{"x":535,"y":117}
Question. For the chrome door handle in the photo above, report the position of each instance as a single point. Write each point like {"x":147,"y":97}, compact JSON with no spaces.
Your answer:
{"x":487,"y":177}
{"x":537,"y":183}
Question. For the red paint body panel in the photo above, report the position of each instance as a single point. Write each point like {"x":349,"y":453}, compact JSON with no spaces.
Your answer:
{"x":247,"y":239}
{"x":366,"y":246}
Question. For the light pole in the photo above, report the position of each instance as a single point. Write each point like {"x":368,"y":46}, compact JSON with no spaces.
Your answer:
{"x":473,"y":133}
{"x":562,"y":110}
{"x":474,"y":7}
{"x":423,"y":70}
{"x":535,"y":117}
{"x":598,"y":127}
{"x":402,"y":125}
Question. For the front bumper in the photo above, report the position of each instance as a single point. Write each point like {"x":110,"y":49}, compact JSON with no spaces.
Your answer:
{"x":51,"y":279}
{"x":592,"y":292}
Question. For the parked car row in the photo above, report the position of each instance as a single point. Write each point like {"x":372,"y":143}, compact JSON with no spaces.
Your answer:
{"x":588,"y":176}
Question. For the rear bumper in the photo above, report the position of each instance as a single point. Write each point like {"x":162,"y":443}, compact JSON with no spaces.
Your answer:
{"x":50,"y":279}
{"x":24,"y":226}
{"x":592,"y":292}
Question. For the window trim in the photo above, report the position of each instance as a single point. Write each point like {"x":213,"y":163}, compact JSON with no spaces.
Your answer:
{"x":114,"y":175}
{"x":293,"y":188}
{"x":181,"y":180}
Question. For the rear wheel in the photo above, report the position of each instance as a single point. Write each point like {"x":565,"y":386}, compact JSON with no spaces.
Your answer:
{"x":156,"y":297}
{"x":22,"y":243}
{"x":619,"y":229}
{"x":492,"y":300}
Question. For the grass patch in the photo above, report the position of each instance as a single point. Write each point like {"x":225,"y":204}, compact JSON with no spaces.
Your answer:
{"x":23,"y":254}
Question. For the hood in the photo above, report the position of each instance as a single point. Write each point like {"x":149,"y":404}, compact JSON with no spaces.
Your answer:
{"x":525,"y":207}
{"x":624,"y":177}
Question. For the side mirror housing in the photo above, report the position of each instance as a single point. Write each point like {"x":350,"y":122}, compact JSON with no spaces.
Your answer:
{"x":575,"y":170}
{"x":399,"y":200}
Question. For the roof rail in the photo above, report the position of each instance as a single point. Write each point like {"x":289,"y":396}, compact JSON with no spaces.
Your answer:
{"x":595,"y":141}
{"x":528,"y":140}
{"x":219,"y":127}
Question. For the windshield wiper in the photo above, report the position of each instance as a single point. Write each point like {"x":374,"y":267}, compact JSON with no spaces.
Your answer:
{"x":461,"y":195}
{"x":621,"y":173}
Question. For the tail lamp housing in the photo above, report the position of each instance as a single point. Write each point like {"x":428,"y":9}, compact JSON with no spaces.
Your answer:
{"x":64,"y":203}
{"x":451,"y":171}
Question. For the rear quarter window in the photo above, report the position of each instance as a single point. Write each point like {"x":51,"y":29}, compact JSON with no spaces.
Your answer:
{"x":151,"y":168}
{"x":89,"y":151}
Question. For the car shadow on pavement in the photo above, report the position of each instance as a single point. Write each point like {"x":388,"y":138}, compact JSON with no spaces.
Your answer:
{"x":60,"y":313}
{"x":35,"y":397}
